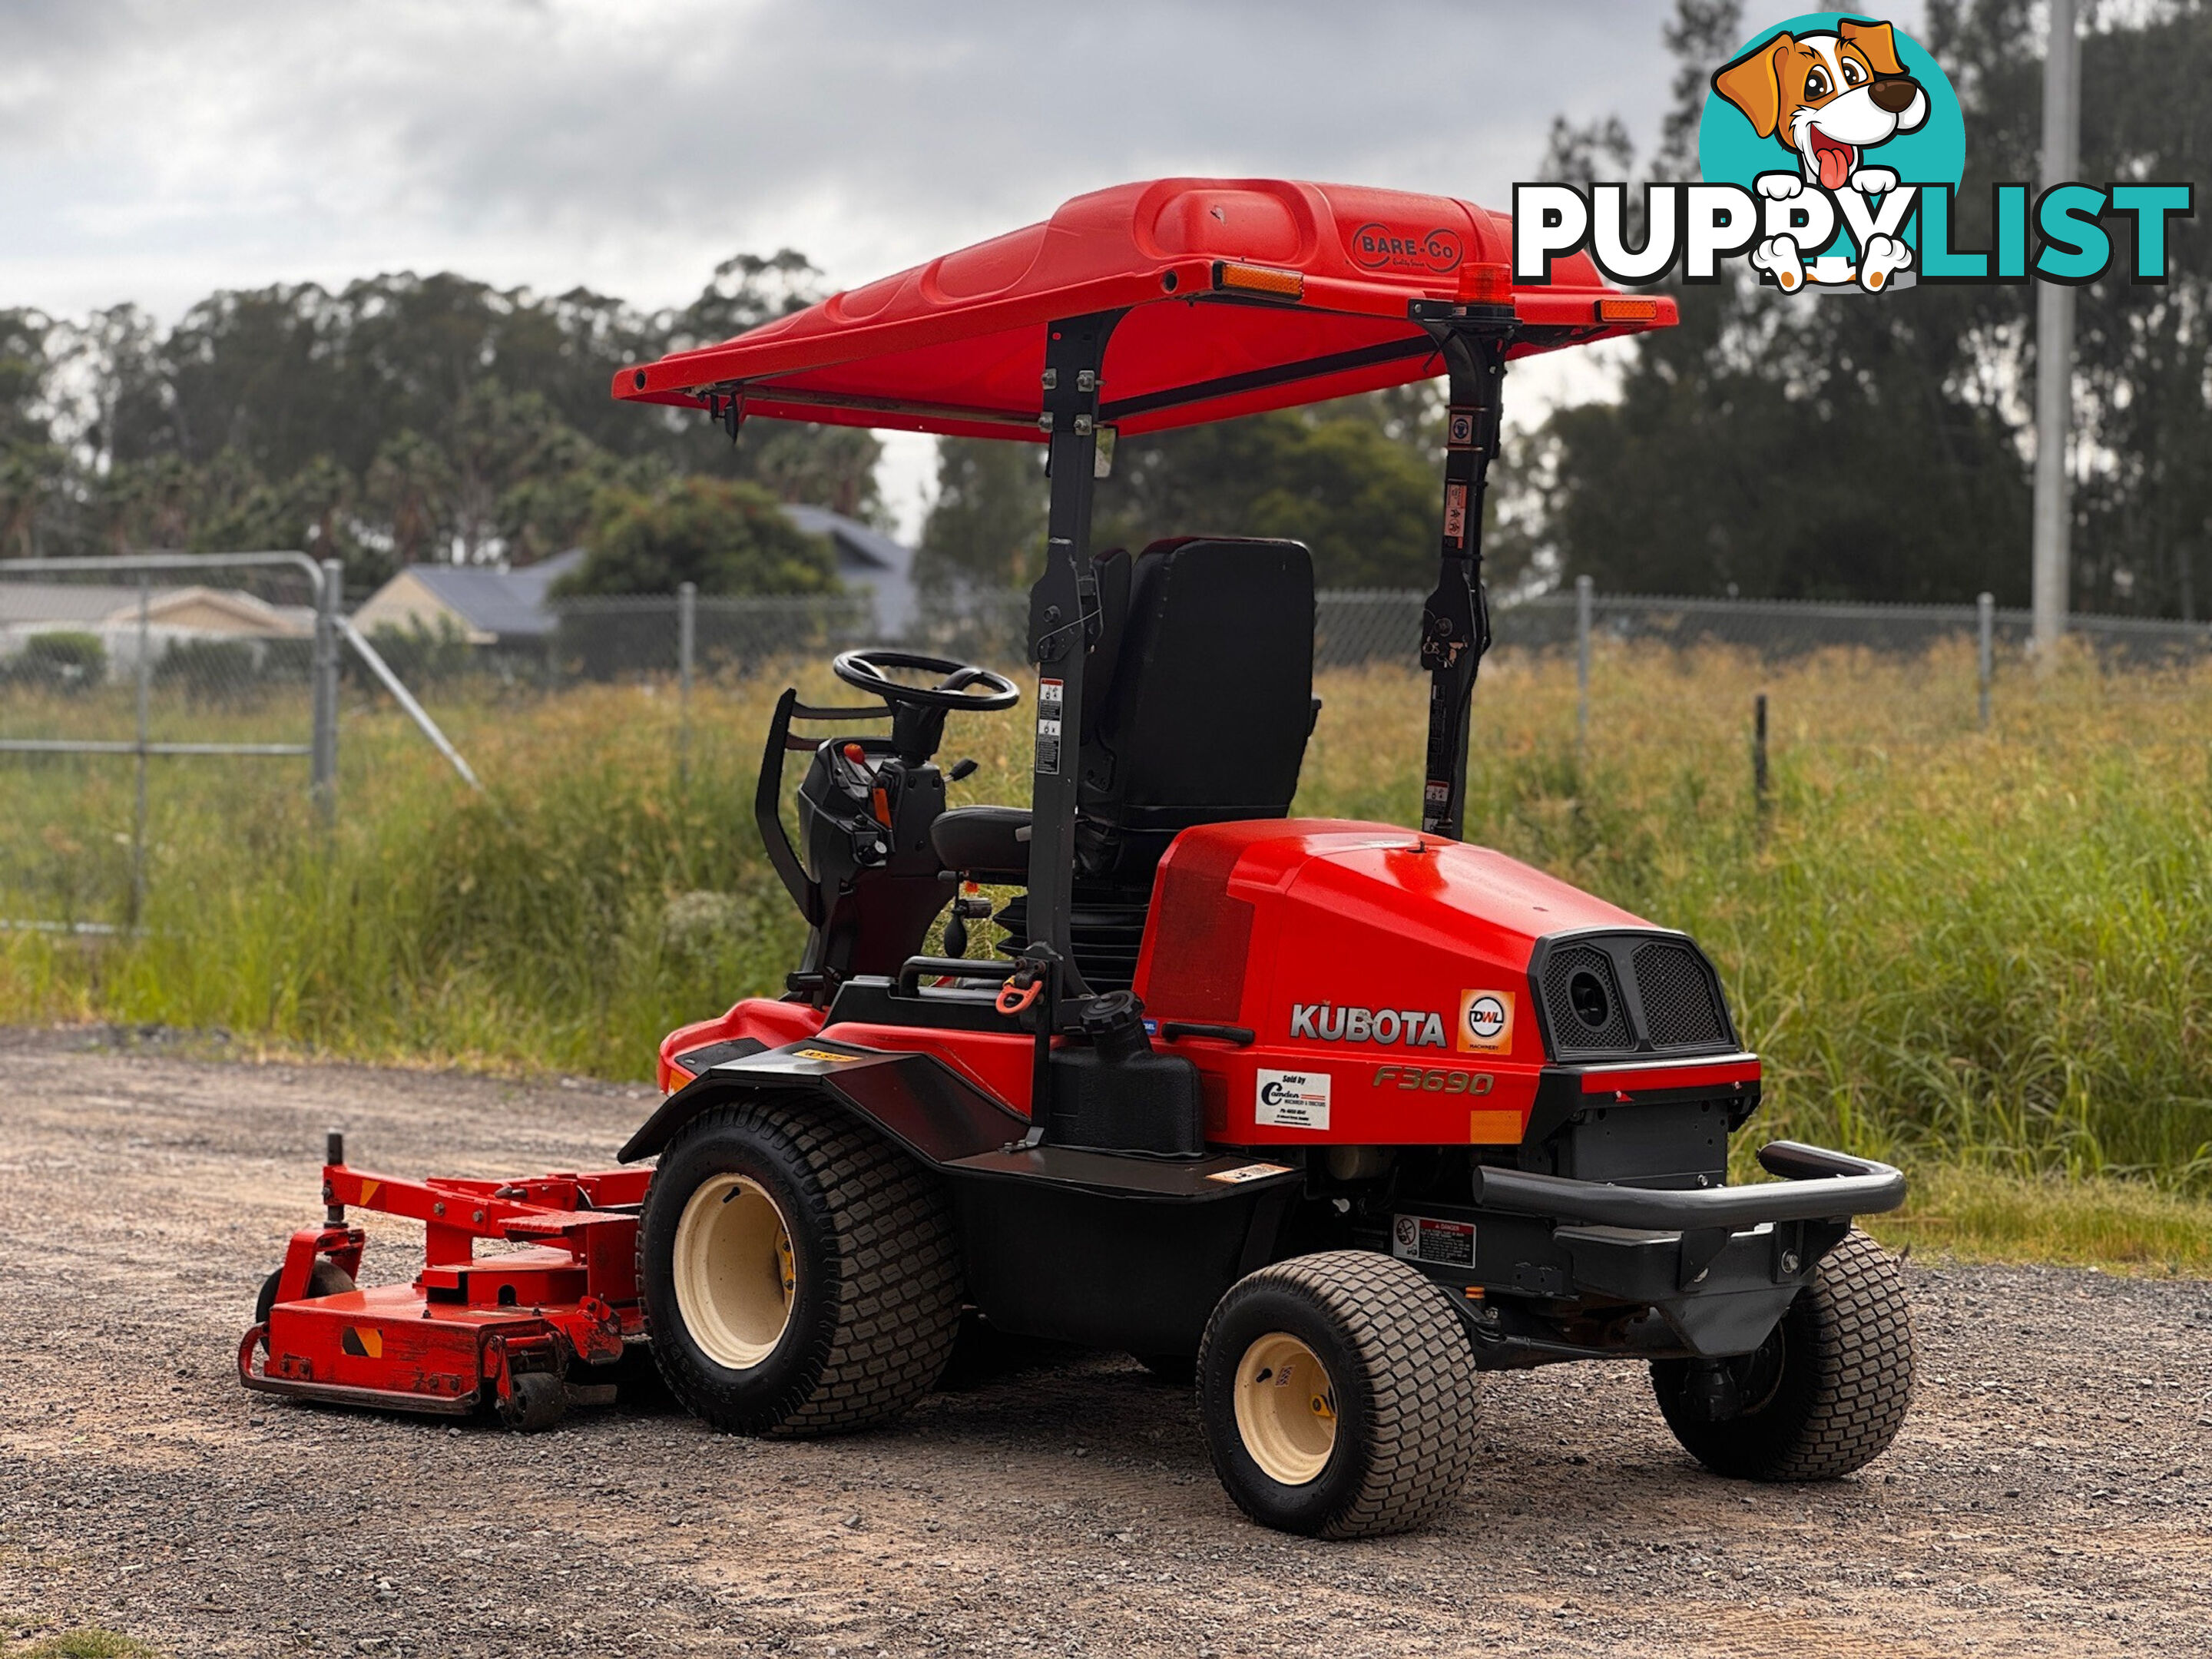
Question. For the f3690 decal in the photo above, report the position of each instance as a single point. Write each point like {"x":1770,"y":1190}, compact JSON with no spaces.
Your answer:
{"x":1434,"y":1079}
{"x":1326,"y":1022}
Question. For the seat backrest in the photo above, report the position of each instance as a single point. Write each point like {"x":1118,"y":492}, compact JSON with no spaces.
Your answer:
{"x":1208,"y":701}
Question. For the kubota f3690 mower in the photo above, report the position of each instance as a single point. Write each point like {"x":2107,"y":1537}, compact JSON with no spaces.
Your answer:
{"x":1334,"y":1115}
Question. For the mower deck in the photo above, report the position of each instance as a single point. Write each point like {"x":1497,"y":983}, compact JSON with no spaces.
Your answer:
{"x":506,"y":1329}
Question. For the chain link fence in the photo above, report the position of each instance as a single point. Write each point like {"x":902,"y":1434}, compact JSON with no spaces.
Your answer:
{"x":115,"y":670}
{"x":610,"y":639}
{"x":116,"y":673}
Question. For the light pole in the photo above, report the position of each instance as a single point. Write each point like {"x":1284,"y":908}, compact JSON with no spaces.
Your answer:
{"x":2054,"y":346}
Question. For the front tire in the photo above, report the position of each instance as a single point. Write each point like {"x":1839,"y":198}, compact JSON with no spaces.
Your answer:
{"x":799,"y":1275}
{"x":1337,"y":1393}
{"x":1823,"y":1396}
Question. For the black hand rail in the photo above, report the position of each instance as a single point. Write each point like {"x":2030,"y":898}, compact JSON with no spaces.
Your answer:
{"x":768,"y":799}
{"x":911,"y":970}
{"x":1176,"y":1030}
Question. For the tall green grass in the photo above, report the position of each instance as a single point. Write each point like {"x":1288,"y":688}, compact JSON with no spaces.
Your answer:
{"x":1985,"y":950}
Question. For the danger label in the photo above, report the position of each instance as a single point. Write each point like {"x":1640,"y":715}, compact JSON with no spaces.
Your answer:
{"x":1419,"y":1238}
{"x":1048,"y":726}
{"x":1291,"y":1100}
{"x":1455,"y":514}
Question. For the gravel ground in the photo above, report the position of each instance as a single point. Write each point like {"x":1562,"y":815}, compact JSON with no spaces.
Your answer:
{"x":2051,"y":1492}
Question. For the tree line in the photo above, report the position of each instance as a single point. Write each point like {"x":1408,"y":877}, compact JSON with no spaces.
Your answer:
{"x":405,"y":419}
{"x":1817,"y":446}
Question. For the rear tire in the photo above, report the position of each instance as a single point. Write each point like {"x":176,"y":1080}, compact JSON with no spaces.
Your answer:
{"x":1825,"y":1394}
{"x":1338,"y":1394}
{"x":799,"y":1275}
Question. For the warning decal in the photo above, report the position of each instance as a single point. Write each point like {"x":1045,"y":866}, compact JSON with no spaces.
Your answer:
{"x":1455,"y":514}
{"x":1048,"y":726}
{"x":1420,"y":1238}
{"x":1244,"y":1172}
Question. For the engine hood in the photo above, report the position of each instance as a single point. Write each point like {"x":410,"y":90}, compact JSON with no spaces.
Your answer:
{"x":1333,"y":936}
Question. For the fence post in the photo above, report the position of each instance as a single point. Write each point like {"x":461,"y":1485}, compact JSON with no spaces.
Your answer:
{"x":1583,"y":593}
{"x":323,"y":766}
{"x":145,"y":674}
{"x":1985,"y":657}
{"x":1759,"y":754}
{"x":687,"y":639}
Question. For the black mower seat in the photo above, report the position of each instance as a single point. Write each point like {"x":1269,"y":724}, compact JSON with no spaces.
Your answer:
{"x":984,"y":843}
{"x":1203,"y":713}
{"x":1197,"y":703}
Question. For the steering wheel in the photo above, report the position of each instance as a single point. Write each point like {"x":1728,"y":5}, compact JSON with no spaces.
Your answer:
{"x":960,"y":685}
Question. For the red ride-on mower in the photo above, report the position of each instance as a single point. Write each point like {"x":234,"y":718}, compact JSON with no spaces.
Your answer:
{"x":1333,"y":1115}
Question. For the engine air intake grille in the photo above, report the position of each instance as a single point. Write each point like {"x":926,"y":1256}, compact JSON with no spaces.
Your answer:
{"x":1582,"y":1003}
{"x":1672,"y":1003}
{"x":1680,"y":1007}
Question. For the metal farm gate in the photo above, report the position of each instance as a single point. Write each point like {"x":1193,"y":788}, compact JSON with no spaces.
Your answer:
{"x":113,"y":668}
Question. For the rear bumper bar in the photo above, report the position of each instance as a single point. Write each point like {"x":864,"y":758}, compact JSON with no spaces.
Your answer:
{"x":1816,"y":1185}
{"x":1545,"y":1267}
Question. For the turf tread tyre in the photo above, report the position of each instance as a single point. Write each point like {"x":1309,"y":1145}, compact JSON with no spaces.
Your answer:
{"x":1846,"y":1384}
{"x":890,"y":1274}
{"x":1407,"y":1431}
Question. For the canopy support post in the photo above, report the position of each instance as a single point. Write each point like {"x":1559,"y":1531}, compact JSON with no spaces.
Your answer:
{"x":1456,"y":620}
{"x":1063,"y":621}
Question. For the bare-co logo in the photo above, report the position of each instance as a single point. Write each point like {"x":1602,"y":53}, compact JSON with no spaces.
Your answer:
{"x":1378,"y":246}
{"x":1324,"y":1022}
{"x":1485,"y":1022}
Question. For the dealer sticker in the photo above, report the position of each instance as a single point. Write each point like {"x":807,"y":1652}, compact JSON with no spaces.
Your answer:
{"x":1419,"y":1238}
{"x":1291,"y":1100}
{"x":1485,"y":1022}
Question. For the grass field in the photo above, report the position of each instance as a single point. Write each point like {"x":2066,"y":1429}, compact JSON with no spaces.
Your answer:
{"x":1978,"y":952}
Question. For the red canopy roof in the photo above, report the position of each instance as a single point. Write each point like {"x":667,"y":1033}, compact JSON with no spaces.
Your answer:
{"x":1241,"y":295}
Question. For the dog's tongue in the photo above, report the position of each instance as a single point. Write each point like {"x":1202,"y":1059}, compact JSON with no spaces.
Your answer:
{"x":1834,"y":160}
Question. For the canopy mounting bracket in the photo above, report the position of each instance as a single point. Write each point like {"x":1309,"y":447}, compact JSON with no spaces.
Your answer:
{"x":1455,"y":618}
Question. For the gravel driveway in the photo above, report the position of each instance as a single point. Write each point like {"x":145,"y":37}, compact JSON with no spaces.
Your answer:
{"x":2052,"y":1493}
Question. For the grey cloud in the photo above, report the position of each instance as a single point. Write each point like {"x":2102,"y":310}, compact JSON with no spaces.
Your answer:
{"x":155,"y":150}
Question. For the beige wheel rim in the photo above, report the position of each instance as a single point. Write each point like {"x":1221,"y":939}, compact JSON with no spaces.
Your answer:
{"x":1286,"y":1409}
{"x":735,"y":1277}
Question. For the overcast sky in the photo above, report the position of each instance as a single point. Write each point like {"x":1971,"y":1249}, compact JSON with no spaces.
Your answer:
{"x":157,"y":151}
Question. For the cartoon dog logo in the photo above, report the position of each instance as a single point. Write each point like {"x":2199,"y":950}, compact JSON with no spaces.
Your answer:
{"x":1829,"y":97}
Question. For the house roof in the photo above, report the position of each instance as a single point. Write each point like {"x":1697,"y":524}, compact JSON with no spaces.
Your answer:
{"x":102,"y":605}
{"x":866,"y":558}
{"x":490,"y":603}
{"x":856,"y":542}
{"x":489,"y":600}
{"x":67,"y":602}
